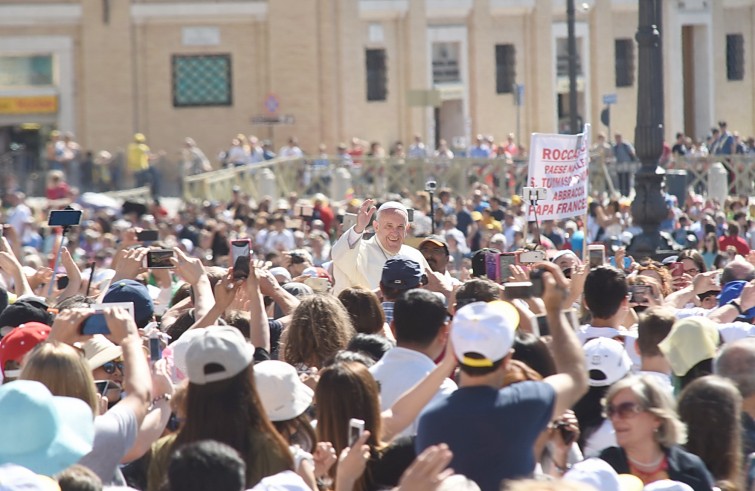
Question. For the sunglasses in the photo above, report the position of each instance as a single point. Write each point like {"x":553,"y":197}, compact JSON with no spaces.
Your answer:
{"x":110,"y":367}
{"x":625,"y":410}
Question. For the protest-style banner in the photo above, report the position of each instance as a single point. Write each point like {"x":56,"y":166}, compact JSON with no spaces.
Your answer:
{"x":559,"y":163}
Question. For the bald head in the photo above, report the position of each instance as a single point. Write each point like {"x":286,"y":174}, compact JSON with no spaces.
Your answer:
{"x":737,"y":270}
{"x":736,"y":361}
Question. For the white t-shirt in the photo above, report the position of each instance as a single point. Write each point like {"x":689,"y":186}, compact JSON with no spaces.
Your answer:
{"x":399,"y":370}
{"x":114,"y":434}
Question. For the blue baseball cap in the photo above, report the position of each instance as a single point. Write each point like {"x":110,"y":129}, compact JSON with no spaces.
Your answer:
{"x":132,"y":291}
{"x":401,"y":273}
{"x":731,"y":291}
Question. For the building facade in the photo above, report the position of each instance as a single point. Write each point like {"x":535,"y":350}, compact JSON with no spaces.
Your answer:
{"x":380,"y":70}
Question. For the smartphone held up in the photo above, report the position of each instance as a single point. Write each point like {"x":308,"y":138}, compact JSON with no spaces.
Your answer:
{"x":241,"y":252}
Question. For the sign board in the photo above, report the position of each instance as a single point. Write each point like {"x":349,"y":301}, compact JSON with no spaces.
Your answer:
{"x":37,"y":104}
{"x":424,"y":98}
{"x":560,"y":164}
{"x":272,"y":103}
{"x":610,"y":99}
{"x":518,"y":94}
{"x":273,"y":120}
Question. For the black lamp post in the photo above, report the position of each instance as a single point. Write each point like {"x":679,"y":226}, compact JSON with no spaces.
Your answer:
{"x":572,"y":49}
{"x":649,"y":206}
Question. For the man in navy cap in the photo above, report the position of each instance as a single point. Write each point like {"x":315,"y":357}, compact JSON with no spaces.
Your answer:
{"x":358,"y":261}
{"x":399,"y":274}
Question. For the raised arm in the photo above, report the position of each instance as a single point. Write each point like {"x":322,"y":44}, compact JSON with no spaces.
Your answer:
{"x":74,"y":275}
{"x":570,"y":383}
{"x":259,"y":331}
{"x":137,"y":380}
{"x":343,"y":249}
{"x":192,"y":271}
{"x":9,"y":263}
{"x":225,"y":292}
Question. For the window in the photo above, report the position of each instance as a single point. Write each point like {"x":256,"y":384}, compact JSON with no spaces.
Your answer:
{"x":624,"y":62}
{"x":735,"y":57}
{"x":377,"y":75}
{"x":505,"y":68}
{"x":202,"y":80}
{"x":23,"y":71}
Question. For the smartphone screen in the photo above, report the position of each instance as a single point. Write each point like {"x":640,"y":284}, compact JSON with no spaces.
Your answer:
{"x":147,"y":236}
{"x":492,"y":268}
{"x":241,"y":251}
{"x":62,"y":218}
{"x":102,"y":386}
{"x":356,"y":428}
{"x":542,"y":325}
{"x":505,"y":260}
{"x":62,"y":282}
{"x":154,"y":349}
{"x":596,"y":256}
{"x":95,"y":324}
{"x":159,"y":259}
{"x":639,"y":294}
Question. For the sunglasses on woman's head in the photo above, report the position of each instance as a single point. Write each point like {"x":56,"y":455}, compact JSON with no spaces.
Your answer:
{"x":624,"y":410}
{"x":111,"y":366}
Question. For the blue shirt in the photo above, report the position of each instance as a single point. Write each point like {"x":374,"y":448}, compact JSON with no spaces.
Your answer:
{"x":388,"y":310}
{"x":490,"y":432}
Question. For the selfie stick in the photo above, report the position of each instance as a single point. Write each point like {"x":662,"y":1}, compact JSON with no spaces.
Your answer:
{"x":63,"y":241}
{"x":432,"y":213}
{"x":91,"y":276}
{"x":532,"y":195}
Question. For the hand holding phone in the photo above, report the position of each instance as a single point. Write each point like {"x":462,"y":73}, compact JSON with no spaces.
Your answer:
{"x":596,"y":254}
{"x":241,"y":252}
{"x":638,"y":294}
{"x":356,"y":428}
{"x":147,"y":235}
{"x":159,"y":259}
{"x":102,"y":386}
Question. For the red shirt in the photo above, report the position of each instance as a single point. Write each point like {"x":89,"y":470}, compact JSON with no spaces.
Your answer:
{"x":58,"y":192}
{"x":741,"y":245}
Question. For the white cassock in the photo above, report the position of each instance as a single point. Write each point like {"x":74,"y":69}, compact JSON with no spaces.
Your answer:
{"x":358,"y":262}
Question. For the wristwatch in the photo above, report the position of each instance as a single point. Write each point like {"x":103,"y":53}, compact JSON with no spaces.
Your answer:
{"x":736,"y":305}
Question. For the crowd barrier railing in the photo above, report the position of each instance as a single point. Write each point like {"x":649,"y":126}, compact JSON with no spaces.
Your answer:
{"x":340,"y":178}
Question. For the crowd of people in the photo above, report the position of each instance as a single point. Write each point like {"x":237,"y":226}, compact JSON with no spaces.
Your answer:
{"x":375,"y":344}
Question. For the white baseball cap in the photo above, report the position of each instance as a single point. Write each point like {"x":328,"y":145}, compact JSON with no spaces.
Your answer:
{"x":606,"y":361}
{"x":217,"y":353}
{"x":595,"y":472}
{"x":486,"y":329}
{"x":284,"y":396}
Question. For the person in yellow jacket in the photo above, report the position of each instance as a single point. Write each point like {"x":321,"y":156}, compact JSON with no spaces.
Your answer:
{"x":137,"y":160}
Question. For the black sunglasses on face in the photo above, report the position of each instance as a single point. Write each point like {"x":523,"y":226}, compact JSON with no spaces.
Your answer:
{"x":624,"y":410}
{"x":110,"y":367}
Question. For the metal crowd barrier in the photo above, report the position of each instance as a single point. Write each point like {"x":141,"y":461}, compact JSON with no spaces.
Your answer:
{"x":339,"y":178}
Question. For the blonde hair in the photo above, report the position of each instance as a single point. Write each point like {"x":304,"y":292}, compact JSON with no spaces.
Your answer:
{"x":63,"y":370}
{"x":658,"y":402}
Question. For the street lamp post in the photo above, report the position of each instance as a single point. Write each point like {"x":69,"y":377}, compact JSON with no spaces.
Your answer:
{"x":649,"y":206}
{"x":572,"y":48}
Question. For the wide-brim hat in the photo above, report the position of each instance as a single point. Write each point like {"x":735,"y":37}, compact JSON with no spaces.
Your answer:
{"x":42,"y":432}
{"x":284,"y":396}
